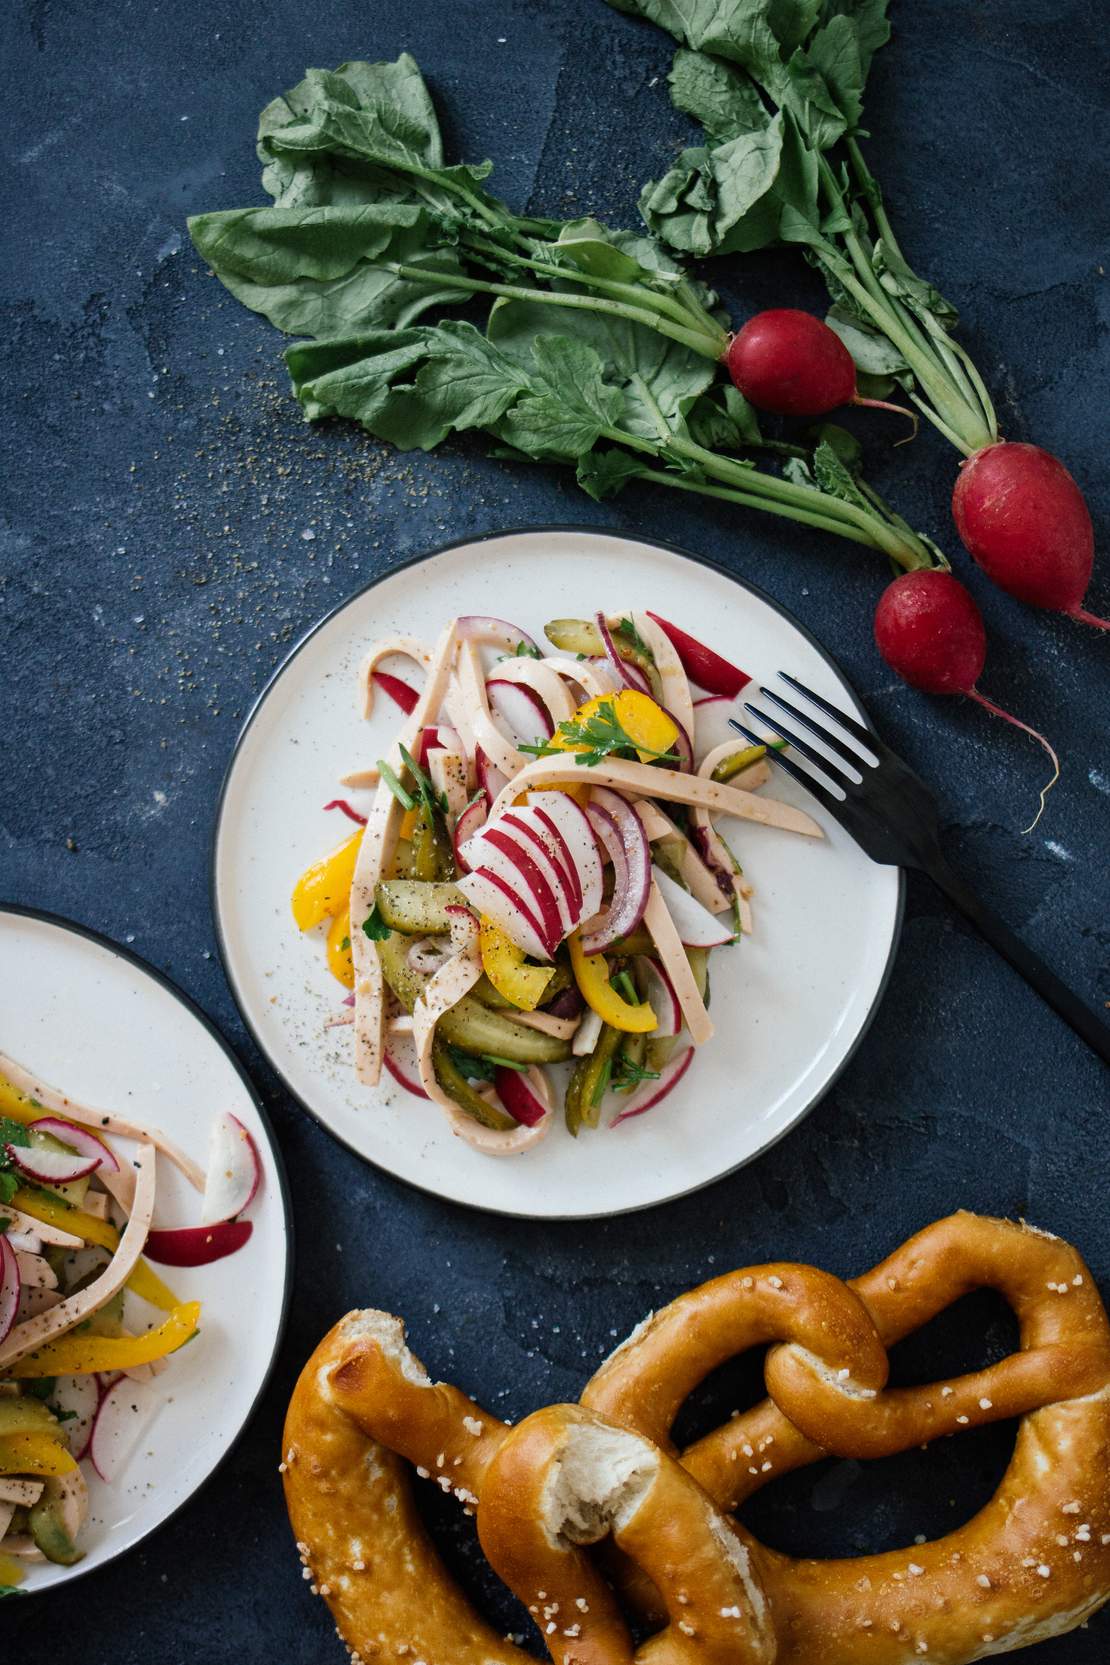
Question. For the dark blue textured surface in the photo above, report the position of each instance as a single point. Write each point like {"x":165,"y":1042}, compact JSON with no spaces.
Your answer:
{"x":153,"y":571}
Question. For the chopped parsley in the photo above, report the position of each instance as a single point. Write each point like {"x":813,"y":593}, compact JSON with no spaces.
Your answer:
{"x":599,"y":736}
{"x":375,"y":926}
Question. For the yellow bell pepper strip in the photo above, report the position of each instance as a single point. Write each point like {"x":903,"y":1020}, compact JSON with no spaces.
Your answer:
{"x":505,"y":966}
{"x":340,"y":961}
{"x":33,"y":1454}
{"x":16,"y":1105}
{"x":82,"y":1354}
{"x":12,"y":1572}
{"x":325,"y":887}
{"x":144,"y":1281}
{"x":650,"y":730}
{"x":591,"y":973}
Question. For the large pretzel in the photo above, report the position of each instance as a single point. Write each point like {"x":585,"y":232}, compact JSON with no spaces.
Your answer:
{"x":1034,"y":1563}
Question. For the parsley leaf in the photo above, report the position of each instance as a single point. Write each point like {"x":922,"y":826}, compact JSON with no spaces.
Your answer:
{"x":375,"y":926}
{"x":600,"y":735}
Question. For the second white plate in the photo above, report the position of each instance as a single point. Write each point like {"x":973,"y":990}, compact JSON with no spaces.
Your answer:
{"x":789,"y":1004}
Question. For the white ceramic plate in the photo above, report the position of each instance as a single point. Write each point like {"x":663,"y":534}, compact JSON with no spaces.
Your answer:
{"x":93,"y":1020}
{"x":790,"y":1004}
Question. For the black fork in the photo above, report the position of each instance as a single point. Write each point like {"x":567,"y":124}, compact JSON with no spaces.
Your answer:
{"x":892,"y":815}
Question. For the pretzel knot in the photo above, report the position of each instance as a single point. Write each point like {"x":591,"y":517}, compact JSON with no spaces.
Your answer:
{"x":1034,"y":1563}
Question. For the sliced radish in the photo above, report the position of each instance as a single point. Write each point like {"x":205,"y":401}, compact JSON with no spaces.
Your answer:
{"x":86,"y":1144}
{"x":651,"y":1093}
{"x":526,"y":873}
{"x":499,"y":632}
{"x":234,"y":1171}
{"x":472,"y":817}
{"x":559,"y":851}
{"x":51,"y":1167}
{"x":631,"y":676}
{"x":398,"y":691}
{"x":80,"y":1396}
{"x":498,"y":900}
{"x":519,"y":713}
{"x":712,"y":699}
{"x":10,"y":1286}
{"x":701,"y":664}
{"x":519,"y":1098}
{"x":622,"y":832}
{"x":567,"y":894}
{"x":658,"y":990}
{"x":348,"y":810}
{"x":122,"y":1417}
{"x":572,"y":824}
{"x":490,"y":777}
{"x":696,"y":926}
{"x":197,"y":1245}
{"x":400,"y":1060}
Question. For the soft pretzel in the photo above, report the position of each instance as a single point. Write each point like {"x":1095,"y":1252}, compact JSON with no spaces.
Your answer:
{"x":1034,"y":1563}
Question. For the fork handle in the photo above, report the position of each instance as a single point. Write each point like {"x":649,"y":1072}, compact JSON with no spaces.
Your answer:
{"x":1038,"y":975}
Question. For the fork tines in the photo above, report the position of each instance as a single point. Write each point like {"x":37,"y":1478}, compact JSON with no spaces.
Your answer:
{"x":847,"y":784}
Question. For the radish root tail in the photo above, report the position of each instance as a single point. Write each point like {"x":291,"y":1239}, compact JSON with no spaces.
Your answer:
{"x":899,"y":410}
{"x":1084,"y":617}
{"x":1008,"y":717}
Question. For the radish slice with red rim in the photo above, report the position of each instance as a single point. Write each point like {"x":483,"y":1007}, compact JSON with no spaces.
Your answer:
{"x":79,"y":1139}
{"x":473,"y":816}
{"x":525,"y":873}
{"x":517,"y":1090}
{"x":122,"y":1417}
{"x":234,"y":1171}
{"x":10,"y":1286}
{"x":559,"y":812}
{"x":520,"y":714}
{"x":499,"y":900}
{"x":400,"y":1060}
{"x":491,"y":779}
{"x":197,"y":1245}
{"x":79,"y":1396}
{"x":567,"y":895}
{"x":696,"y":926}
{"x":651,"y":1093}
{"x":701,"y":664}
{"x":398,"y":691}
{"x":658,"y":990}
{"x":51,"y":1167}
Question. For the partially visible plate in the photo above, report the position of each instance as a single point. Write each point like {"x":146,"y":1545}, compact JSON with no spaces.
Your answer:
{"x":93,"y":1020}
{"x":790,"y":1004}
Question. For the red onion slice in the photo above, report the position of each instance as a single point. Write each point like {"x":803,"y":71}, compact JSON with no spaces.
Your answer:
{"x":86,"y":1144}
{"x":499,"y":632}
{"x":631,"y":675}
{"x":620,"y":829}
{"x":651,"y":1093}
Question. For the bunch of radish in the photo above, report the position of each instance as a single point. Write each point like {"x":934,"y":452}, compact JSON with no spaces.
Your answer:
{"x":1019,"y":512}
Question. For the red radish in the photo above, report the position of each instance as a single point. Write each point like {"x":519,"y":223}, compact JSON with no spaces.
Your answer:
{"x":567,"y":900}
{"x":557,"y":812}
{"x":518,"y":1098}
{"x":398,"y":691}
{"x":696,"y":926}
{"x":79,"y":1139}
{"x":499,"y":900}
{"x":490,"y":778}
{"x":399,"y":1058}
{"x":348,"y":810}
{"x":929,"y":630}
{"x":80,"y":1397}
{"x":522,"y":714}
{"x":654,"y":1092}
{"x":234,"y":1171}
{"x":472,"y":817}
{"x":197,"y":1245}
{"x":793,"y":364}
{"x":10,"y":1286}
{"x":658,"y":990}
{"x":1023,"y":518}
{"x":122,"y":1417}
{"x":51,"y":1167}
{"x":716,"y":675}
{"x":524,"y":872}
{"x":558,"y":851}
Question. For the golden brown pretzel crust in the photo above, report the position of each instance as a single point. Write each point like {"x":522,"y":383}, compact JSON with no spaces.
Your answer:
{"x":1034,"y":1563}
